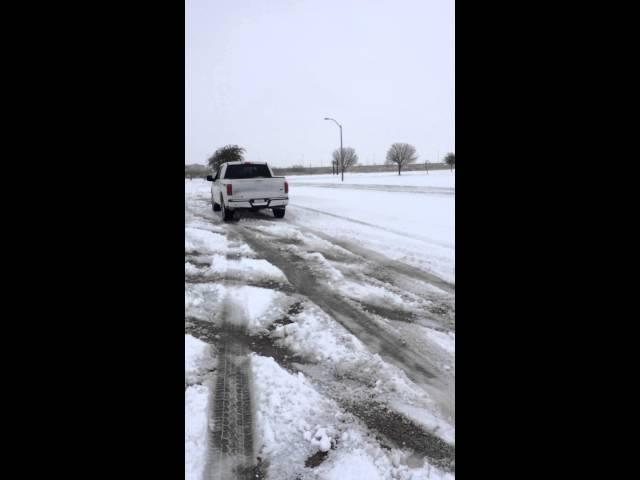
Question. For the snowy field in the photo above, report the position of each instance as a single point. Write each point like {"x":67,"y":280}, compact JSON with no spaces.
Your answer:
{"x":434,"y":179}
{"x":410,"y":217}
{"x":322,"y":345}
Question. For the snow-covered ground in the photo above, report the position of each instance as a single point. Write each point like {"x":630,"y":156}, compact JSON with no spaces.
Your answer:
{"x":295,"y":421}
{"x":410,"y":218}
{"x":348,"y":307}
{"x":435,"y":178}
{"x":199,"y":360}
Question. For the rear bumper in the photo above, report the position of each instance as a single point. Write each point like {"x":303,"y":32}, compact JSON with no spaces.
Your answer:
{"x":257,"y":203}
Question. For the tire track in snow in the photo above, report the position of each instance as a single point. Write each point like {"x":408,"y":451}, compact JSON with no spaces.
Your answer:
{"x":390,"y":274}
{"x":370,"y":256}
{"x":417,"y":366}
{"x":230,"y":419}
{"x":231,"y":429}
{"x":230,"y":423}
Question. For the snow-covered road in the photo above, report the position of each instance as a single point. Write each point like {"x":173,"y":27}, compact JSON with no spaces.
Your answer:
{"x":321,"y":345}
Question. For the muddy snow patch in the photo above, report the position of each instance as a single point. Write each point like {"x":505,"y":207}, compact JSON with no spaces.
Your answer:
{"x":294,"y":422}
{"x":191,"y":269}
{"x":425,"y":418}
{"x":292,"y":235}
{"x":315,"y":336}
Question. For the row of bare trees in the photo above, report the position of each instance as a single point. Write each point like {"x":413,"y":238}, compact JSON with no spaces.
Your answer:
{"x":400,"y":154}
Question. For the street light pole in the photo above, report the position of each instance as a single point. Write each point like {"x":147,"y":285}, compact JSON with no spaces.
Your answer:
{"x":341,"y":155}
{"x":341,"y":150}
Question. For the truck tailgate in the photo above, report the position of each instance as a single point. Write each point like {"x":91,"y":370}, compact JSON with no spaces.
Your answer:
{"x":251,"y":188}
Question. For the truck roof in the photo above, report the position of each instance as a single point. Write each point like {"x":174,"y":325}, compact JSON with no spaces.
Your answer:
{"x":243,"y":162}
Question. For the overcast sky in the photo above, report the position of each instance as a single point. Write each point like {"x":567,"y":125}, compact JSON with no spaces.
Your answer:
{"x":264,"y":73}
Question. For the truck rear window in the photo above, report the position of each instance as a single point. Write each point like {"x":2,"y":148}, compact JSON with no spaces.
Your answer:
{"x":247,"y":170}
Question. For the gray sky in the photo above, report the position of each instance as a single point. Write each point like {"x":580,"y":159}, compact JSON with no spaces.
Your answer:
{"x":264,"y":73}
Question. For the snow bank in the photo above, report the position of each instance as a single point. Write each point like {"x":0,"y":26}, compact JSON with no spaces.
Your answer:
{"x":199,"y":224}
{"x":199,"y":358}
{"x":280,"y":230}
{"x":204,"y":241}
{"x":255,"y":307}
{"x":315,"y":336}
{"x":289,"y":417}
{"x":358,"y":457}
{"x":203,"y":300}
{"x":207,"y":238}
{"x":380,"y":296}
{"x":353,"y":466}
{"x":196,"y":404}
{"x":322,"y":267}
{"x":446,"y":341}
{"x":191,"y":269}
{"x":248,"y":268}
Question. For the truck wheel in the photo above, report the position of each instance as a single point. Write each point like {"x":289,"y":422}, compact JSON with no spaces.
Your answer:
{"x":226,"y":213}
{"x":278,"y":212}
{"x":216,"y":207}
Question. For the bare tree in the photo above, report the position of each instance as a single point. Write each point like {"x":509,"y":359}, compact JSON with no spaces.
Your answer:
{"x":450,"y":159}
{"x":401,"y":154}
{"x":350,"y":158}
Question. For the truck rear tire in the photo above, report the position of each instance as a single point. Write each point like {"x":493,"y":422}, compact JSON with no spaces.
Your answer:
{"x":227,"y":214}
{"x":216,"y":207}
{"x":278,"y":212}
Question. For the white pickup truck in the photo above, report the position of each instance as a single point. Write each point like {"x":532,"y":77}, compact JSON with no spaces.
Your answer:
{"x":248,"y":185}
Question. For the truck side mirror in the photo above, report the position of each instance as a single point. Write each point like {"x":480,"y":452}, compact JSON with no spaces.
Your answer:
{"x":209,"y":178}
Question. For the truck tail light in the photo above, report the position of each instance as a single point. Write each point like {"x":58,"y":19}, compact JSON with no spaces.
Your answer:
{"x":286,"y":187}
{"x":229,"y":189}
